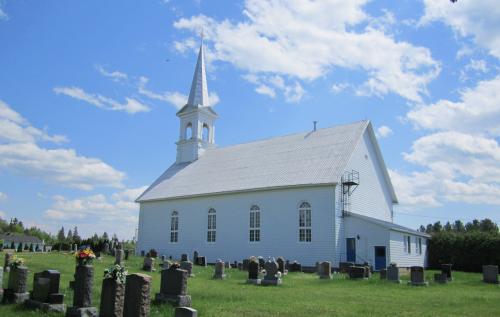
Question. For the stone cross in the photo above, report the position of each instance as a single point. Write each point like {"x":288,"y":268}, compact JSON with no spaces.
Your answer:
{"x":219,"y":270}
{"x":137,"y":295}
{"x":490,"y":274}
{"x":119,"y":255}
{"x":417,"y":276}
{"x":271,"y":277}
{"x":82,"y":293}
{"x":112,"y":298}
{"x":173,"y":287}
{"x":325,"y":270}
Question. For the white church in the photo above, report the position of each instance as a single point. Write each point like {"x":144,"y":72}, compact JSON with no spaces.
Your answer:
{"x":319,"y":195}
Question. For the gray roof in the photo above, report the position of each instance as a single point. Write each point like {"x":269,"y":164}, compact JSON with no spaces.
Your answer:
{"x":302,"y":159}
{"x":16,"y":238}
{"x":389,"y":225}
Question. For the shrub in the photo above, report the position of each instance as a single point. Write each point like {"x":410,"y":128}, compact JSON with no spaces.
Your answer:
{"x":20,"y":247}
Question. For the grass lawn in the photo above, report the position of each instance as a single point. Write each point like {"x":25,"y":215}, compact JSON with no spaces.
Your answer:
{"x":301,"y":294}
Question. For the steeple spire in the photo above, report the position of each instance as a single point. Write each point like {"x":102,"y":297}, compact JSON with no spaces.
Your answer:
{"x":198,"y":96}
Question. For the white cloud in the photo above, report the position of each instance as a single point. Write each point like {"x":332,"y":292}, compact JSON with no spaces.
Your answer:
{"x":384,"y":131}
{"x":117,"y":213}
{"x":414,"y":191}
{"x":174,"y":98}
{"x":14,"y":128}
{"x":20,"y":152}
{"x":116,"y":76}
{"x":3,"y":197}
{"x":131,"y":106}
{"x":477,"y":19}
{"x":268,"y":85}
{"x":3,"y":15}
{"x":340,"y":87}
{"x":3,"y":215}
{"x":265,"y":90}
{"x":305,"y":40}
{"x":478,"y":110}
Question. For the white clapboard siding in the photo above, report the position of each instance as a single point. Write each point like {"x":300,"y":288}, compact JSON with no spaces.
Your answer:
{"x":279,"y":225}
{"x":370,"y":235}
{"x":405,"y":259}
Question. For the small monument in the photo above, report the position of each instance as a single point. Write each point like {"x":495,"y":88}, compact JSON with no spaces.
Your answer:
{"x":173,"y":287}
{"x":45,"y":295}
{"x":325,"y":270}
{"x":148,"y":264}
{"x":17,"y":290}
{"x":417,"y":277}
{"x":219,"y":270}
{"x":184,"y":257}
{"x":357,"y":272}
{"x":281,"y":265}
{"x":253,"y":271}
{"x":82,"y":293}
{"x":119,"y":255}
{"x":272,"y":276}
{"x":202,"y":261}
{"x":490,"y":274}
{"x":295,"y":267}
{"x":187,"y":266}
{"x":446,"y":270}
{"x":112,"y":295}
{"x":393,"y":273}
{"x":137,"y":295}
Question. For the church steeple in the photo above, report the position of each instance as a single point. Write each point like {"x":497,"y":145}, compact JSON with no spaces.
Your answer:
{"x":197,"y":118}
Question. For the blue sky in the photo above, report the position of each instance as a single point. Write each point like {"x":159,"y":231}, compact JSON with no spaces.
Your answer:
{"x":89,"y":91}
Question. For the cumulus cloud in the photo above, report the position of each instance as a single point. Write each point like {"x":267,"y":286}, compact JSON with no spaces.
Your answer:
{"x":131,"y":105}
{"x":98,"y":213}
{"x":477,"y":110}
{"x":116,"y":76}
{"x":304,"y":40}
{"x":469,"y":18}
{"x":21,"y":152}
{"x":384,"y":131}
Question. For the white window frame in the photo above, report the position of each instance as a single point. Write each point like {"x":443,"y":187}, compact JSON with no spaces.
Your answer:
{"x":254,"y":233}
{"x":174,"y":227}
{"x":212,"y":226}
{"x":407,"y":243}
{"x":305,"y":222}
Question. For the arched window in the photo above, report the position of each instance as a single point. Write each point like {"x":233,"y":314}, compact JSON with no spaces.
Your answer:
{"x":305,"y":222}
{"x":205,"y":133}
{"x":189,"y":131}
{"x":174,"y":227}
{"x":212,"y":225}
{"x":255,"y":224}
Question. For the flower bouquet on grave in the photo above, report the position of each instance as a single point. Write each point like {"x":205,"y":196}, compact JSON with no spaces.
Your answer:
{"x":16,"y":262}
{"x":116,"y":272}
{"x":84,"y":256}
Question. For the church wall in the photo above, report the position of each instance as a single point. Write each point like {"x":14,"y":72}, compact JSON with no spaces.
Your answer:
{"x":371,"y":198}
{"x":403,"y":258}
{"x":370,"y":236}
{"x":279,"y":225}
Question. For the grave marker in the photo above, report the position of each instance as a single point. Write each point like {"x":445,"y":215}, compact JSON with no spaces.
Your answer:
{"x":271,"y":277}
{"x":173,"y":287}
{"x":325,"y":270}
{"x":490,"y":274}
{"x":17,"y":290}
{"x":417,"y":276}
{"x":82,"y":294}
{"x":112,"y":298}
{"x":137,"y":295}
{"x":253,"y":271}
{"x":45,"y":295}
{"x":219,"y":270}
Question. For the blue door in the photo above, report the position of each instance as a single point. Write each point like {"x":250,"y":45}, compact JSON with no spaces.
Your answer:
{"x":351,"y":249}
{"x":380,"y":258}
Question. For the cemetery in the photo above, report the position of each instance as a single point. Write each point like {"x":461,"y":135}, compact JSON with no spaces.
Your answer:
{"x":38,"y":284}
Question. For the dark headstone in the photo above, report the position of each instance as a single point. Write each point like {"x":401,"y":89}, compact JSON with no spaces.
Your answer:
{"x":119,"y":255}
{"x":112,"y":298}
{"x":173,"y":287}
{"x":202,"y":261}
{"x":325,"y":270}
{"x":417,"y":276}
{"x":82,"y":294}
{"x":184,"y":257}
{"x":127,"y":254}
{"x":271,"y":277}
{"x":185,"y":312}
{"x":344,"y":266}
{"x":45,"y":296}
{"x":393,"y":274}
{"x":490,"y":274}
{"x":446,"y":269}
{"x":295,"y":267}
{"x":143,"y":253}
{"x":357,"y":272}
{"x":195,"y":257}
{"x":41,"y":289}
{"x":245,"y":264}
{"x":137,"y":295}
{"x":281,"y":265}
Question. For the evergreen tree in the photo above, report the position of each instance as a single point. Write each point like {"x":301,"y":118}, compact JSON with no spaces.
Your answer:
{"x":76,"y":238}
{"x":472,"y":226}
{"x":69,"y":237}
{"x":20,"y":247}
{"x":421,"y":229}
{"x":437,"y":227}
{"x":486,"y":225}
{"x":458,"y":226}
{"x":447,"y":226}
{"x":105,"y":236}
{"x":428,"y":229}
{"x":61,"y":236}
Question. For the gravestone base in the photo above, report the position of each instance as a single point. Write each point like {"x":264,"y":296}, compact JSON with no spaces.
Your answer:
{"x":440,"y":278}
{"x":271,"y":282}
{"x":418,"y":283}
{"x":45,"y":307}
{"x":15,"y":298}
{"x":175,"y":300}
{"x":255,"y":281}
{"x":82,"y":312}
{"x":219,"y":277}
{"x":185,"y":312}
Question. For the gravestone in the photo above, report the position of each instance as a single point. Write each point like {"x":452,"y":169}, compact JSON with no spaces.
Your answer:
{"x":357,"y":272}
{"x":105,"y":248}
{"x":202,"y":261}
{"x":490,"y":274}
{"x":119,"y":255}
{"x":142,"y":253}
{"x":148,"y":264}
{"x":137,"y":295}
{"x":219,"y":270}
{"x":417,"y":277}
{"x":112,"y":298}
{"x":325,"y":270}
{"x":7,"y":260}
{"x":393,"y":274}
{"x":383,"y":274}
{"x":166,"y":265}
{"x":281,"y":265}
{"x":195,"y":257}
{"x":295,"y":267}
{"x":253,"y":272}
{"x":440,"y":278}
{"x":184,"y":257}
{"x":173,"y":287}
{"x":271,"y":277}
{"x":187,"y":266}
{"x":262,"y":262}
{"x":185,"y":312}
{"x":45,"y":295}
{"x":82,"y":293}
{"x":1,"y":283}
{"x":126,"y":254}
{"x":163,"y":257}
{"x":17,"y":290}
{"x":446,"y":270}
{"x":245,"y":264}
{"x":344,"y":266}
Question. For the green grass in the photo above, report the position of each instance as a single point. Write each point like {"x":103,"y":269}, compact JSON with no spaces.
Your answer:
{"x":300,"y":295}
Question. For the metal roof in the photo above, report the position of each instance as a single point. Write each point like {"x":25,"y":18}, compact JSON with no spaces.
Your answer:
{"x":302,"y":159}
{"x":16,"y":238}
{"x":389,"y":225}
{"x":199,"y":89}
